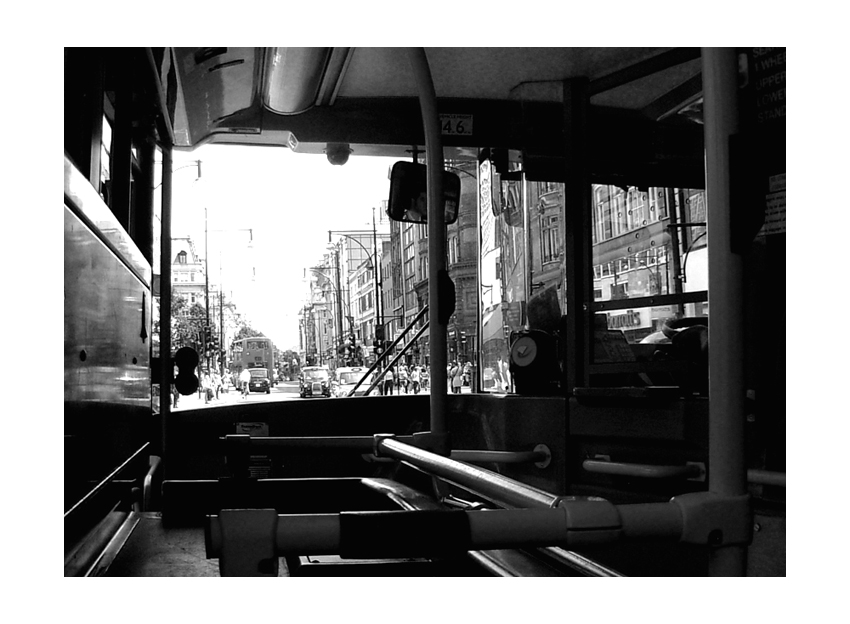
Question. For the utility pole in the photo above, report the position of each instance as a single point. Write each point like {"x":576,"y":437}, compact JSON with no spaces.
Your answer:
{"x":220,"y":318}
{"x":338,"y":304}
{"x":206,"y":283}
{"x":377,"y":268}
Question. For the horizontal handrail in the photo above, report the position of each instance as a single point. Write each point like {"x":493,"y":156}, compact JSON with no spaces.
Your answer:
{"x":760,"y":477}
{"x":366,"y":444}
{"x":766,"y":477}
{"x":499,"y":457}
{"x":336,"y":533}
{"x":485,"y":483}
{"x":641,"y":470}
{"x":362,"y":444}
{"x":243,"y":539}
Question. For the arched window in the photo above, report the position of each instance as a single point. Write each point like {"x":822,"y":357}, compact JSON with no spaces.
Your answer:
{"x":181,"y":257}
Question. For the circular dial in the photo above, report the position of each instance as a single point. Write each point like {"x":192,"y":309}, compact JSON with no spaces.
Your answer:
{"x":523,"y":351}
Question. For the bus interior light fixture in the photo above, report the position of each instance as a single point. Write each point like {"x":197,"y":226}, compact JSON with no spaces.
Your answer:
{"x":292,"y":78}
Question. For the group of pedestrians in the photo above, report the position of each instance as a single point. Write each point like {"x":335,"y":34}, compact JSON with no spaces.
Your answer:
{"x":407,"y":379}
{"x":414,"y":379}
{"x":210,"y":386}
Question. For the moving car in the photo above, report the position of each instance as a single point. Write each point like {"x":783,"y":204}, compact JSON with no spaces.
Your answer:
{"x":260,"y":381}
{"x":347,"y":377}
{"x":315,"y":381}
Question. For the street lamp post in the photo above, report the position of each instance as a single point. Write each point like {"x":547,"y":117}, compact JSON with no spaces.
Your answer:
{"x":206,"y":272}
{"x":338,"y":301}
{"x":338,"y":292}
{"x":207,"y":282}
{"x":373,"y":259}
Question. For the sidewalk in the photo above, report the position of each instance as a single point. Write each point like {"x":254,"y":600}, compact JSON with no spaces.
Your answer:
{"x":194,"y":400}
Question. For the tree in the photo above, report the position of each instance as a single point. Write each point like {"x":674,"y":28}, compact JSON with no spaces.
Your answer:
{"x":246,"y":331}
{"x":187,"y":322}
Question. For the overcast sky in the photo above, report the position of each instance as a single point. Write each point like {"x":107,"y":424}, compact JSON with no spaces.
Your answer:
{"x":289,"y":201}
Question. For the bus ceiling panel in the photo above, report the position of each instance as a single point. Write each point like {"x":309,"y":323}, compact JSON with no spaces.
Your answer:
{"x":507,"y":73}
{"x":642,"y":93}
{"x":215,"y":84}
{"x":365,"y":97}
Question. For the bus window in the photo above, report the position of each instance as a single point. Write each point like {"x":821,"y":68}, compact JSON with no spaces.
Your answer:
{"x":650,"y":281}
{"x":522,"y":264}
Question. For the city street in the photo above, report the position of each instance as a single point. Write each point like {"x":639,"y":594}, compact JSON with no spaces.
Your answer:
{"x":283,"y":391}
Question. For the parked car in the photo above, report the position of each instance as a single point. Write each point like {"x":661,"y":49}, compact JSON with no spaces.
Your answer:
{"x":315,"y":381}
{"x":260,"y":381}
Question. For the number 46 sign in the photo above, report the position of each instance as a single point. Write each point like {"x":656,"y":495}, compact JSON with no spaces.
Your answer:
{"x":456,"y":124}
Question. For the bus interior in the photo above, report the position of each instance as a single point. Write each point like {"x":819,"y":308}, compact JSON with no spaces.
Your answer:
{"x":659,"y":452}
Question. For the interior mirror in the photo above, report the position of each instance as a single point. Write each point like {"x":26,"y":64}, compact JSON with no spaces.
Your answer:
{"x":408,"y":191}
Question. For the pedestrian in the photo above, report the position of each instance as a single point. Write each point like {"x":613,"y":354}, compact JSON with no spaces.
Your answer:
{"x":206,"y":387}
{"x":457,"y":378}
{"x":414,"y":379}
{"x":216,"y":381}
{"x":505,"y":372}
{"x":402,"y":378}
{"x":388,"y":381}
{"x":244,"y":379}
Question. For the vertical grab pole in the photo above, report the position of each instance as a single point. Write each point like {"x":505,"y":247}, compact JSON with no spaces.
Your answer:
{"x":436,"y":246}
{"x":726,"y":292}
{"x":166,"y":368}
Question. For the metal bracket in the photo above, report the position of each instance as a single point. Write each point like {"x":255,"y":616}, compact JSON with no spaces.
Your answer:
{"x":715,"y":520}
{"x":376,"y":443}
{"x":590,"y":520}
{"x":543,"y":463}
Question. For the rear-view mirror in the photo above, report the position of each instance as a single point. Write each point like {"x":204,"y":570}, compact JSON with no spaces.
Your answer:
{"x":408,"y":193}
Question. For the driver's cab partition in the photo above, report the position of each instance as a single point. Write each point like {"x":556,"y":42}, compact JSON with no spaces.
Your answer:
{"x":476,"y":422}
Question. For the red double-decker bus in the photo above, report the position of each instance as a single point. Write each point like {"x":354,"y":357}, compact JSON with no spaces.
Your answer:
{"x":254,"y":352}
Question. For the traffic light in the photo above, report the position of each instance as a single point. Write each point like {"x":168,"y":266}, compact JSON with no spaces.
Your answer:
{"x":207,"y":334}
{"x":463,"y":338}
{"x":352,"y":345}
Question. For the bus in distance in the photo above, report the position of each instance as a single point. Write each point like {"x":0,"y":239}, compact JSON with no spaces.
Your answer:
{"x":255,"y":352}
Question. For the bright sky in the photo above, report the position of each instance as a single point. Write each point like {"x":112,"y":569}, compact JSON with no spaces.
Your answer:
{"x":289,"y":202}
